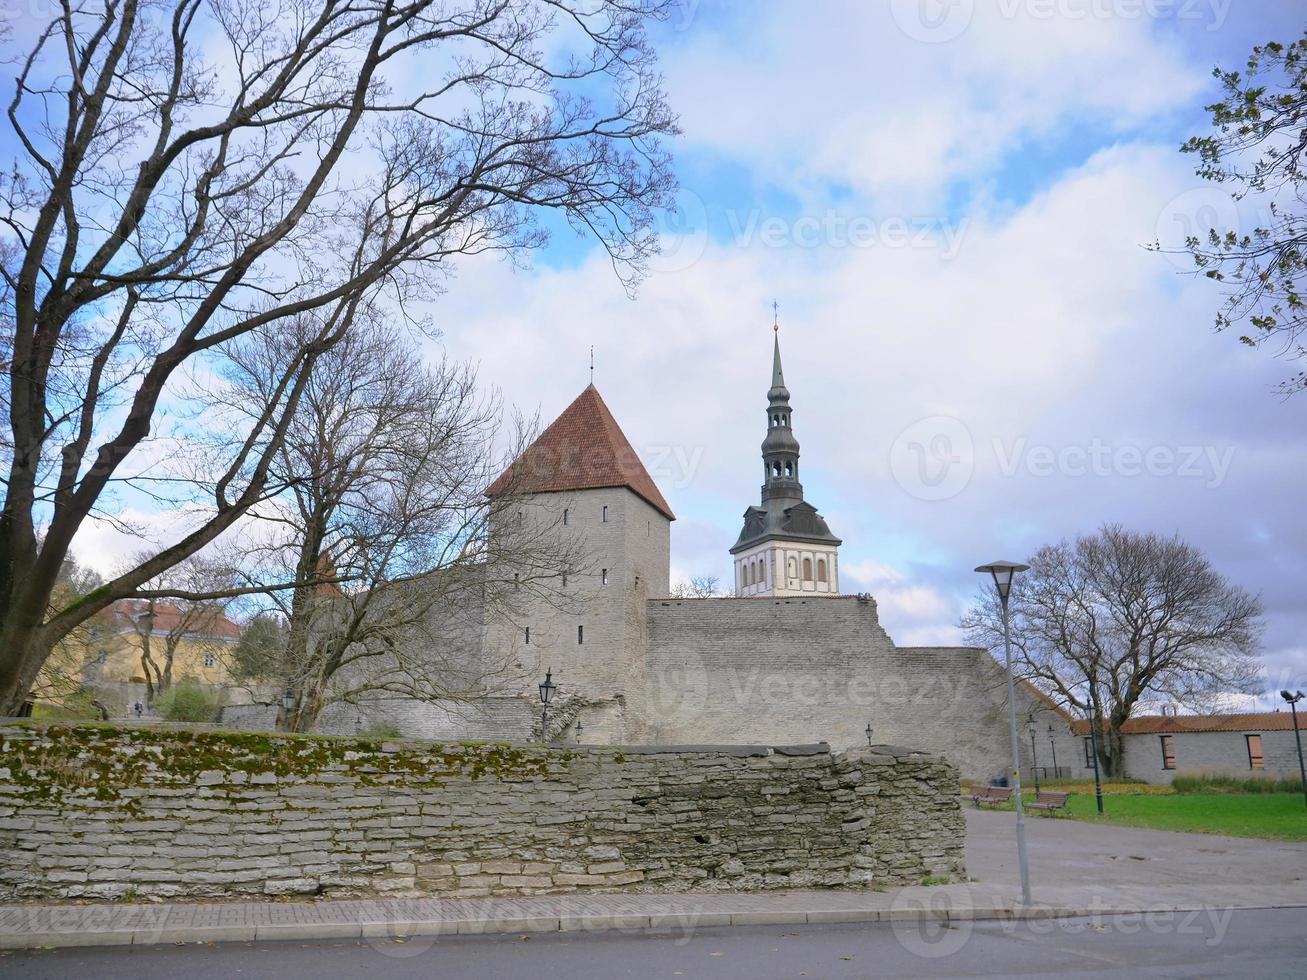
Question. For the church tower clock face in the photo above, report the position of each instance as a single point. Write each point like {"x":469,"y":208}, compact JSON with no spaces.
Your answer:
{"x":785,"y":547}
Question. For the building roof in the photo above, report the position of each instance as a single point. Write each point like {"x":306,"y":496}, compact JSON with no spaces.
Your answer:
{"x":210,"y":623}
{"x":1260,"y":721}
{"x":583,"y":449}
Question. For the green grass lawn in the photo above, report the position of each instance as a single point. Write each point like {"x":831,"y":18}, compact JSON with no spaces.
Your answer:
{"x":1271,"y":816}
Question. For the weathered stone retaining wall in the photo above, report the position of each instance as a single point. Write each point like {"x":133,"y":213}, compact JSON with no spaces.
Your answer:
{"x":95,"y":811}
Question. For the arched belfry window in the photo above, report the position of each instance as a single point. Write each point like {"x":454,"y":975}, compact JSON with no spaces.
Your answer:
{"x":821,"y":569}
{"x":776,"y":468}
{"x":789,"y":469}
{"x":807,"y":569}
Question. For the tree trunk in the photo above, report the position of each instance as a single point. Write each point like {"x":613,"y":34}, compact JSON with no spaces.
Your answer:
{"x":24,"y":651}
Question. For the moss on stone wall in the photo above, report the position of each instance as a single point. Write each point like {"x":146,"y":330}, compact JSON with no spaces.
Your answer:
{"x":104,"y":760}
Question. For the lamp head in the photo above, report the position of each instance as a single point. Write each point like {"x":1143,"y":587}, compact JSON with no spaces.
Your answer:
{"x":548,"y":687}
{"x":1003,"y":572}
{"x":1291,"y":698}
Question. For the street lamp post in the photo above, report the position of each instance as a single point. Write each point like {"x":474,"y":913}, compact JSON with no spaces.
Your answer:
{"x":1034,"y":758}
{"x":1093,"y":746}
{"x":1003,"y":573}
{"x":579,"y":728}
{"x":1052,"y":744}
{"x":1293,"y":700}
{"x":868,"y":734}
{"x":547,"y":689}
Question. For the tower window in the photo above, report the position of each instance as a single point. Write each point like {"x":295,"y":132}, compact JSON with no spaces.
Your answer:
{"x":567,"y":516}
{"x":603,"y":576}
{"x":789,"y":469}
{"x":776,"y":468}
{"x":807,"y":569}
{"x":564,"y":580}
{"x":527,"y":634}
{"x":821,"y":570}
{"x":605,"y":513}
{"x":517,"y":580}
{"x":580,"y":635}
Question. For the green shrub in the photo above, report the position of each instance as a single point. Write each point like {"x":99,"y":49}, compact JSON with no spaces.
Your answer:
{"x":1215,"y":782}
{"x":186,"y":701}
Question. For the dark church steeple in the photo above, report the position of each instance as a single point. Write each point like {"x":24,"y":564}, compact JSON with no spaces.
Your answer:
{"x":780,"y":449}
{"x":785,"y":547}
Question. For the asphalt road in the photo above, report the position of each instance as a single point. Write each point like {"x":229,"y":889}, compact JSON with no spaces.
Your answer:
{"x":1213,"y":943}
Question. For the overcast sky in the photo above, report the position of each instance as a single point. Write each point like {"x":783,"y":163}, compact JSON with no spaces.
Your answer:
{"x":951,"y":211}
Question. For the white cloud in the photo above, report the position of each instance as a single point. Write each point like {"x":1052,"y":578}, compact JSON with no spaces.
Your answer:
{"x":865,"y":104}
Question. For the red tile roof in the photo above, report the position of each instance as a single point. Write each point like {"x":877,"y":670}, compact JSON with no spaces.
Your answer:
{"x":1263,"y":721}
{"x":584,"y":449}
{"x":167,"y":617}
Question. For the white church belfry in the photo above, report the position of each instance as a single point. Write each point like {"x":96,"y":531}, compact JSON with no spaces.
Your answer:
{"x":785,"y":547}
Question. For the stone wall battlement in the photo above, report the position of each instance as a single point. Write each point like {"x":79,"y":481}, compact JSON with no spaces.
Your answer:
{"x":98,"y":811}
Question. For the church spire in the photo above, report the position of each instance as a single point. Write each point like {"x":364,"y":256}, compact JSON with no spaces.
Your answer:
{"x":780,"y":450}
{"x":785,"y":547}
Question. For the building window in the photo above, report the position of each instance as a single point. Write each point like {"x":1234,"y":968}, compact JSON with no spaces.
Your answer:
{"x":789,"y":469}
{"x":580,"y":635}
{"x":762,"y":572}
{"x":1255,"y":758}
{"x":517,"y":580}
{"x":527,"y":633}
{"x":605,"y":513}
{"x":807,"y":569}
{"x":603,"y":576}
{"x":210,"y":660}
{"x":794,"y":569}
{"x":1168,"y":751}
{"x":821,"y":570}
{"x":1089,"y":753}
{"x":567,"y":516}
{"x":564,"y":580}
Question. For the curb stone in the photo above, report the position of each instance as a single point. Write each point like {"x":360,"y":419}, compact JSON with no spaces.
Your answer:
{"x":622,"y":921}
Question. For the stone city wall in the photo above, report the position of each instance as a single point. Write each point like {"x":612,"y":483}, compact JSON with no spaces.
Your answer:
{"x":97,"y":811}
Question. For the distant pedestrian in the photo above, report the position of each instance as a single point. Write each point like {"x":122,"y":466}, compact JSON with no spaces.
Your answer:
{"x":140,"y":708}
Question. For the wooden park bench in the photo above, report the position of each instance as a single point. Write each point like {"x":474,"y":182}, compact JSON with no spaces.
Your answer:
{"x":990,"y":794}
{"x":1046,"y":800}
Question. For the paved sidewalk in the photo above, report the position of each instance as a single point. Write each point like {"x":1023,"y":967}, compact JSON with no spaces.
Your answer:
{"x":1077,"y":869}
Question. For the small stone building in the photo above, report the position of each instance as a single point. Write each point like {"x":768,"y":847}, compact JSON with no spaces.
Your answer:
{"x":1158,"y":747}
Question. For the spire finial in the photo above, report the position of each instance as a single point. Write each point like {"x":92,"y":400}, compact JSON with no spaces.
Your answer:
{"x":776,"y":316}
{"x":592,"y":364}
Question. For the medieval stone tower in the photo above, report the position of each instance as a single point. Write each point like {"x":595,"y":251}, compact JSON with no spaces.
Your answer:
{"x":582,"y":481}
{"x":785,"y":548}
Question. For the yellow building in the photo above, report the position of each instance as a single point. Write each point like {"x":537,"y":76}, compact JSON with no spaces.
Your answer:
{"x":143,"y":642}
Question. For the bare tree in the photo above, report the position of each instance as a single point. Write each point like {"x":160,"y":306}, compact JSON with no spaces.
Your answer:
{"x":189,"y":173}
{"x":1258,"y":147}
{"x":697,"y":587}
{"x":1101,"y":623}
{"x":396,"y":553}
{"x":162,"y":626}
